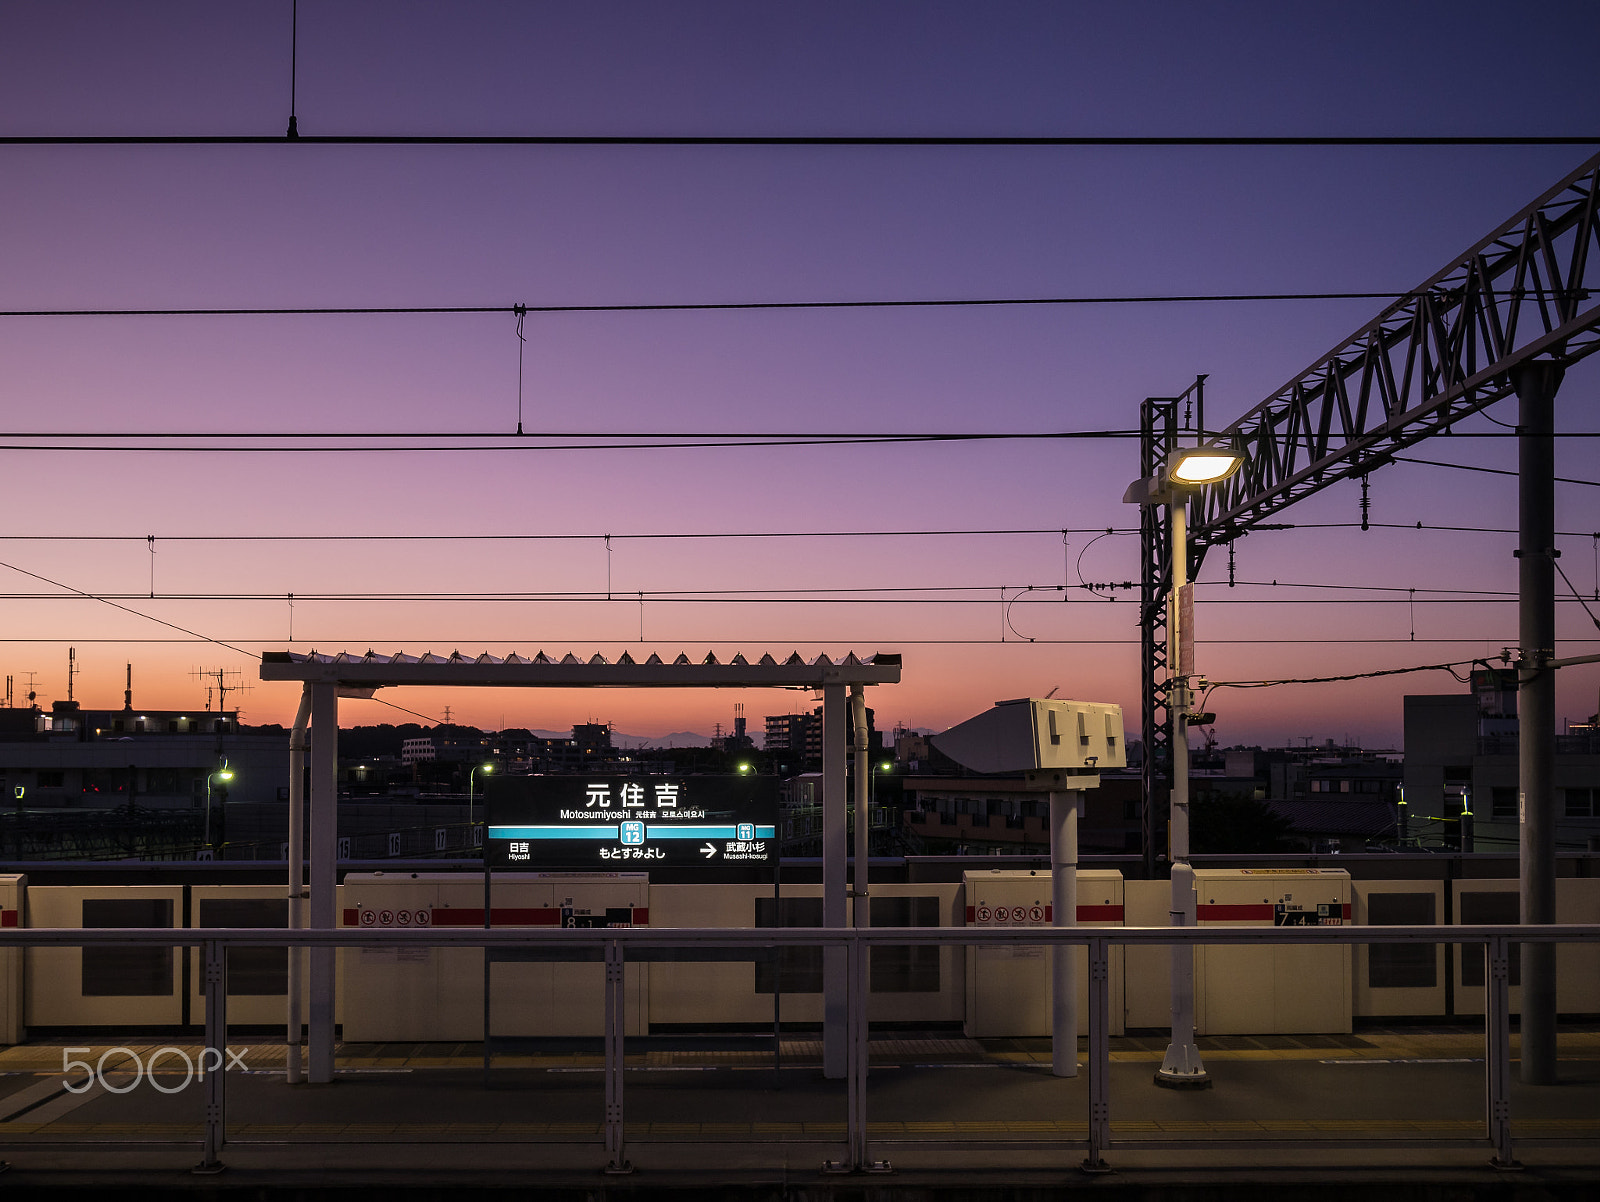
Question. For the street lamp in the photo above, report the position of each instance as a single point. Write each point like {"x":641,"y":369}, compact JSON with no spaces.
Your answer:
{"x":1184,"y":471}
{"x":223,"y":774}
{"x":471,"y":779}
{"x":872,"y":798}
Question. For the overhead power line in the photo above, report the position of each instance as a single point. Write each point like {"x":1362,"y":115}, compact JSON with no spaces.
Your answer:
{"x":1493,"y":471}
{"x":526,"y":444}
{"x":647,"y":536}
{"x":522,"y":641}
{"x":289,"y":443}
{"x":843,"y":140}
{"x":78,"y":592}
{"x":968,"y":302}
{"x":848,"y":596}
{"x":615,"y":537}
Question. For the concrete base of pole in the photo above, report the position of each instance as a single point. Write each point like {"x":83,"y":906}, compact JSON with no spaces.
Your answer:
{"x":1182,"y":1069}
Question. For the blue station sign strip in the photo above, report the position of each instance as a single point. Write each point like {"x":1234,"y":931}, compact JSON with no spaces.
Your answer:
{"x":652,"y":831}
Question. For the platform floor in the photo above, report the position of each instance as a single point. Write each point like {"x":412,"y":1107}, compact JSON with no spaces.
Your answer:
{"x":715,"y":1116}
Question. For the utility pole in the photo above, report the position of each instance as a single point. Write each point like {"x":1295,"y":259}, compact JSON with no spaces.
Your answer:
{"x":1181,"y":1067}
{"x":1536,"y":382}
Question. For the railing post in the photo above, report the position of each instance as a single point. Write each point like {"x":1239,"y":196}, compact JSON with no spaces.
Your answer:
{"x":1497,"y":1034}
{"x":1099,"y":1055}
{"x":216,"y":983}
{"x":857,"y":1047}
{"x":616,"y":1018}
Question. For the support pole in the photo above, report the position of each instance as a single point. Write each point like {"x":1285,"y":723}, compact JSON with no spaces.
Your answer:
{"x":324,"y":872}
{"x":293,"y":1022}
{"x":1181,"y":1068}
{"x":1497,"y":1031}
{"x":1064,"y":913}
{"x":835,"y":960}
{"x":617,"y":1162}
{"x":215,"y":1052}
{"x":861,"y":911}
{"x":1099,"y":1055}
{"x":1536,"y":383}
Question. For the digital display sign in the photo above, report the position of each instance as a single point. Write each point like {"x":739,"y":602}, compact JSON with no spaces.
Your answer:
{"x":630,"y":821}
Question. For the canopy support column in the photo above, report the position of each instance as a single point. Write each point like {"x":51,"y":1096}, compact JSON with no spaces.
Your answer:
{"x":324,"y":872}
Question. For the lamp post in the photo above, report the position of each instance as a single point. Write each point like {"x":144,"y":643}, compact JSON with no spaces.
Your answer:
{"x":1184,"y":471}
{"x":471,"y":780}
{"x":224,"y":774}
{"x":872,"y":797}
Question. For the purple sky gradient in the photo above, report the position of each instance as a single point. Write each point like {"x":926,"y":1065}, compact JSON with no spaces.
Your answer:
{"x":90,"y":227}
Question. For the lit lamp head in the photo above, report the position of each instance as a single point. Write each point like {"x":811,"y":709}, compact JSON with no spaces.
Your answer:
{"x":1188,"y":467}
{"x":1202,"y":465}
{"x":225,"y":774}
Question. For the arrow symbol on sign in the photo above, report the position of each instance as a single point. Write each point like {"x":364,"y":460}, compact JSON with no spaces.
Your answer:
{"x":708,"y":851}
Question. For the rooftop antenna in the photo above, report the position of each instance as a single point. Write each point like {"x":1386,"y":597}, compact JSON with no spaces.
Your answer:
{"x":8,"y":692}
{"x":72,"y":670}
{"x":127,"y":693}
{"x":228,"y":680}
{"x":32,"y":696}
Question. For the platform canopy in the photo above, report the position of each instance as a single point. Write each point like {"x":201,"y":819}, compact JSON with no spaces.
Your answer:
{"x":370,"y":670}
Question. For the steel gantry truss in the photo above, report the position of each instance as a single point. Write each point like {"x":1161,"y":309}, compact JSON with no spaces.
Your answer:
{"x":1445,"y":350}
{"x":1440,"y":353}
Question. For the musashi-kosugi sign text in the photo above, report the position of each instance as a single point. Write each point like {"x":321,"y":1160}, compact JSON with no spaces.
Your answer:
{"x":597,"y":821}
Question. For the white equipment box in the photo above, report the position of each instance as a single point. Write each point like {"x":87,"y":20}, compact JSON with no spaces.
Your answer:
{"x":1008,"y":985}
{"x":1296,"y":989}
{"x":12,"y":890}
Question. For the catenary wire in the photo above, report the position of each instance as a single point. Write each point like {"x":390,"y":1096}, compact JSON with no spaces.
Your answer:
{"x":968,"y":302}
{"x":842,"y":140}
{"x":1493,"y":471}
{"x":125,"y":609}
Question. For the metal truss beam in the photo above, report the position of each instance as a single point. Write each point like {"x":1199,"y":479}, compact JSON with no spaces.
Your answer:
{"x":1443,"y":352}
{"x":1158,"y":435}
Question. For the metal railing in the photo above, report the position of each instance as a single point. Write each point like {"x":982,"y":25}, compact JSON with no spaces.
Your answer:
{"x":616,"y":946}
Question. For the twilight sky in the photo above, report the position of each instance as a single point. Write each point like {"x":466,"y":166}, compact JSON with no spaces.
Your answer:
{"x":296,"y":225}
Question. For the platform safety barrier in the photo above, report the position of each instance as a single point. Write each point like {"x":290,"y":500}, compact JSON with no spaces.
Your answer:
{"x":617,"y":945}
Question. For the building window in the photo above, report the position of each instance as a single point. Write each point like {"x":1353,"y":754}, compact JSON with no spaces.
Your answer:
{"x":1502,"y":802}
{"x":1581,"y":803}
{"x":52,"y":780}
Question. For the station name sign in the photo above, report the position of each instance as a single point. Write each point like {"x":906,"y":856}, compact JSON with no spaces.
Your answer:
{"x":630,"y":821}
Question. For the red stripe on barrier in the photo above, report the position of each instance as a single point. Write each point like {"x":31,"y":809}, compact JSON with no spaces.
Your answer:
{"x":1099,"y":913}
{"x":972,"y":915}
{"x":641,"y":916}
{"x":500,"y":916}
{"x":352,"y":916}
{"x":8,"y":918}
{"x":1347,"y":911}
{"x":1253,"y":912}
